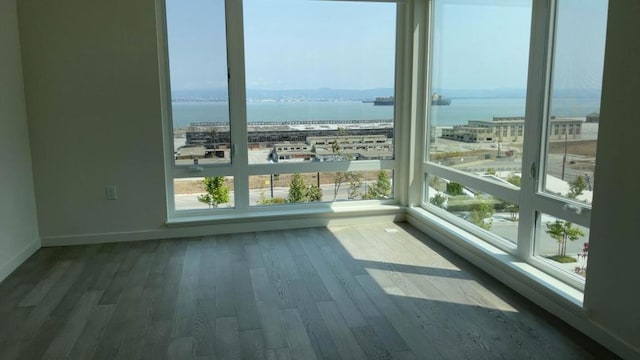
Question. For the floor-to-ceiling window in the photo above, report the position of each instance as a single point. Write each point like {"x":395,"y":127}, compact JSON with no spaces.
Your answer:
{"x":279,"y":103}
{"x":512,"y":124}
{"x":479,"y":61}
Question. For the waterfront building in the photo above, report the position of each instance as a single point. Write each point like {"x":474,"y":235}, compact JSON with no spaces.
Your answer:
{"x":292,"y":151}
{"x":510,"y":129}
{"x":363,"y":147}
{"x":334,"y":148}
{"x":594,"y":117}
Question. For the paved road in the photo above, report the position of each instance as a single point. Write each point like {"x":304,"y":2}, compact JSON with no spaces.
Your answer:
{"x":190,"y":201}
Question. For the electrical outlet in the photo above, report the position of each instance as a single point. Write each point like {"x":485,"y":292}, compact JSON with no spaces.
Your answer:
{"x":111,"y":192}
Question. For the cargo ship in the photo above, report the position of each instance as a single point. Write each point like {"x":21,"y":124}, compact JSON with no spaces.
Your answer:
{"x":436,"y":99}
{"x":383,"y":101}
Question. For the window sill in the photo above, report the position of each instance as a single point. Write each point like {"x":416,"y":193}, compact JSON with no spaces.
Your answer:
{"x":521,"y":276}
{"x":288,"y":212}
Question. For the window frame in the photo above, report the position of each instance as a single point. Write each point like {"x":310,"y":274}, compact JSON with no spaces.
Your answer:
{"x":239,"y":167}
{"x":531,"y":196}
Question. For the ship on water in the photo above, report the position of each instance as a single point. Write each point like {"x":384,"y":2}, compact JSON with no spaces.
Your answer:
{"x":383,"y":100}
{"x":436,"y":99}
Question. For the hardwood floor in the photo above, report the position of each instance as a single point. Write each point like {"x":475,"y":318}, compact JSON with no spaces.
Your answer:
{"x":382,"y":291}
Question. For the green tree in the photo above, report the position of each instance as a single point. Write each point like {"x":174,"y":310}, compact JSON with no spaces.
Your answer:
{"x":300,"y":192}
{"x":338,"y":152}
{"x":313,"y":193}
{"x":355,"y":181}
{"x":217,"y":191}
{"x":513,"y":209}
{"x":297,"y":189}
{"x":576,"y":187}
{"x":514,"y":179}
{"x":438,"y":200}
{"x":338,"y":178}
{"x":490,"y":171}
{"x":454,"y":189}
{"x":563,"y":231}
{"x":482,"y":213}
{"x":381,"y":189}
{"x":264,"y":200}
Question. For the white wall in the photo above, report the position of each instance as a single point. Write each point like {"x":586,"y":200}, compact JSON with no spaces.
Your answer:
{"x":92,"y":86}
{"x":612,"y":294}
{"x":18,"y":225}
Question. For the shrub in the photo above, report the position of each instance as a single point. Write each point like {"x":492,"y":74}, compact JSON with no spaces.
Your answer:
{"x":217,"y":191}
{"x":454,"y":189}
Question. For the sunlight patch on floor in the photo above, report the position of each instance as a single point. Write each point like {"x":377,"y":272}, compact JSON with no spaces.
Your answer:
{"x":387,"y":243}
{"x":439,"y":289}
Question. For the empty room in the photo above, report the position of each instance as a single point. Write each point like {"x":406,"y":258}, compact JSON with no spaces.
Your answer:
{"x":295,"y":179}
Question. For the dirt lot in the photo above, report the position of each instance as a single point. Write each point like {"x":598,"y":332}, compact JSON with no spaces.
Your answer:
{"x":194,"y":186}
{"x":581,"y":147}
{"x":585,"y":148}
{"x":581,"y":153}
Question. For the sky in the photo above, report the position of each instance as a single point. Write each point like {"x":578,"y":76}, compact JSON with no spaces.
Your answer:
{"x":479,"y":46}
{"x":301,"y":44}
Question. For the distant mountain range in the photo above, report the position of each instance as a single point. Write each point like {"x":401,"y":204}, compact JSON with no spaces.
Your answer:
{"x":326,"y":94}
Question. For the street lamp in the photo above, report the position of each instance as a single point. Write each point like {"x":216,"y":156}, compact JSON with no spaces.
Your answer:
{"x":271,"y":179}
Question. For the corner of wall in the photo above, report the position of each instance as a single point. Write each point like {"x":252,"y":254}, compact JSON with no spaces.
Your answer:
{"x":19,"y":237}
{"x":8,"y":266}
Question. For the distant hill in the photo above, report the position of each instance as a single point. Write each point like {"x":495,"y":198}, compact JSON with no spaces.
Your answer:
{"x":300,"y":94}
{"x":327,"y":94}
{"x":320,"y":94}
{"x":514,"y":93}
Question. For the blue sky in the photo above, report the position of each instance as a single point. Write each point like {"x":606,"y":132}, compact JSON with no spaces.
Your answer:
{"x":481,"y":47}
{"x":300,"y":44}
{"x":196,"y":36}
{"x":580,"y":43}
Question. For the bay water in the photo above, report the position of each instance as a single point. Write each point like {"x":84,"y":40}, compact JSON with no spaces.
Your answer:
{"x":459,"y":112}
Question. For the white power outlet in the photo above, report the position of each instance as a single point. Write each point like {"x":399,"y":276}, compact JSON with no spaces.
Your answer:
{"x":111,"y":192}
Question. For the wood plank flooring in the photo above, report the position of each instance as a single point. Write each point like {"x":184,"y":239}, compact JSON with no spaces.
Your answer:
{"x":376,"y":291}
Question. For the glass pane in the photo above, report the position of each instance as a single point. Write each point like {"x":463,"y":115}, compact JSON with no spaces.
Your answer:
{"x":488,"y":212}
{"x":478,"y":82}
{"x":572,"y":128}
{"x":279,"y":189}
{"x":203,"y":193}
{"x":320,"y":80}
{"x":196,"y":36}
{"x":562,"y":244}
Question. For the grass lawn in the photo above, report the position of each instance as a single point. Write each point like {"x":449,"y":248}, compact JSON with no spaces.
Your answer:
{"x":562,"y":259}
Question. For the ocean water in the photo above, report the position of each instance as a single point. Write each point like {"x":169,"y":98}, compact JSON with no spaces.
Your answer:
{"x":459,"y":112}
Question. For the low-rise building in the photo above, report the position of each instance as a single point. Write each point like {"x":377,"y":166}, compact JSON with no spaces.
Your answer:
{"x":510,"y":129}
{"x":362,"y":147}
{"x":292,"y":151}
{"x":594,"y":117}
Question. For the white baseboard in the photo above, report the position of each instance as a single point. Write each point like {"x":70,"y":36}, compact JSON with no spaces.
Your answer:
{"x":7,"y":268}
